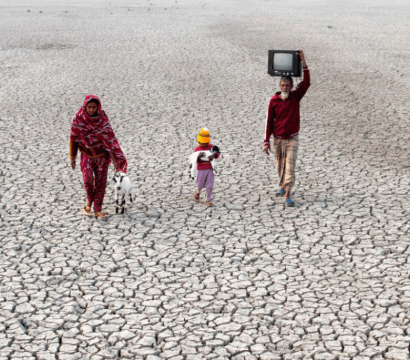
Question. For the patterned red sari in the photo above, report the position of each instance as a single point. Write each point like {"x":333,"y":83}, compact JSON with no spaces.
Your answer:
{"x":95,"y":138}
{"x":95,"y":132}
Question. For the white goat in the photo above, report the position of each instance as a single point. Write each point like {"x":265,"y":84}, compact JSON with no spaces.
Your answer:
{"x":193,"y":158}
{"x":122,"y":188}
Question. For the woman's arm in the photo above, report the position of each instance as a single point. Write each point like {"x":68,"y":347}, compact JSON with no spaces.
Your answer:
{"x":114,"y":162}
{"x":73,"y":152}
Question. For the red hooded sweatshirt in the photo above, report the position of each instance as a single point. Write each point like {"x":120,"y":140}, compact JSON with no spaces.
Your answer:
{"x":283,"y":120}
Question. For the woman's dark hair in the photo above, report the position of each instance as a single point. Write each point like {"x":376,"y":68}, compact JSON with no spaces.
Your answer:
{"x":95,"y":101}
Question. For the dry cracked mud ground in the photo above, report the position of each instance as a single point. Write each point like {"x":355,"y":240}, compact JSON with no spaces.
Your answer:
{"x":170,"y":279}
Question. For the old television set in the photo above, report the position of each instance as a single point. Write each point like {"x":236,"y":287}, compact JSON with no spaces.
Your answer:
{"x":284,"y":63}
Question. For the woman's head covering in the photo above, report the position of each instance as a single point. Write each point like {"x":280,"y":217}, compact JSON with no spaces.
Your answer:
{"x":95,"y":131}
{"x":203,"y":136}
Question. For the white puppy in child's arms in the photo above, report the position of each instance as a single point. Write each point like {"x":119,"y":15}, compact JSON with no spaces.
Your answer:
{"x":193,"y":159}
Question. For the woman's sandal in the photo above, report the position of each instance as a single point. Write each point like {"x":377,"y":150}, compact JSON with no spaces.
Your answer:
{"x":196,"y":197}
{"x":87,"y":210}
{"x":281,"y":192}
{"x":208,"y":204}
{"x":100,"y":215}
{"x":289,"y":203}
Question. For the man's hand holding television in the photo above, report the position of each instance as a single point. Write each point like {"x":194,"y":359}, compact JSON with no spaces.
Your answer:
{"x":302,"y":57}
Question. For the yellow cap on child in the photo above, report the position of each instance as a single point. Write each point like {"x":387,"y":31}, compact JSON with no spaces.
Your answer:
{"x":203,"y":136}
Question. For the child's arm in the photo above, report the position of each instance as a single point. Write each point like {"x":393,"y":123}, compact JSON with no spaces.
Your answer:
{"x":200,"y":155}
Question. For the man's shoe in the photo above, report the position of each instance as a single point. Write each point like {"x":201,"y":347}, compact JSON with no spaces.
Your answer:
{"x":281,"y":193}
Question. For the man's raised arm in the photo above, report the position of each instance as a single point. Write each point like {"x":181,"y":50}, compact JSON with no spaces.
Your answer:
{"x":304,"y":85}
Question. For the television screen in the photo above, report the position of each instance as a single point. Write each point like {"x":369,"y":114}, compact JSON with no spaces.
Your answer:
{"x":282,"y":62}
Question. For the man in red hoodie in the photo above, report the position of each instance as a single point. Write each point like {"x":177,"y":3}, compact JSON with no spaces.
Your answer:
{"x":283,"y":121}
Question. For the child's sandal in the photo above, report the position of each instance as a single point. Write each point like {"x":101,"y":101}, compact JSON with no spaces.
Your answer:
{"x":196,"y":197}
{"x":208,"y":204}
{"x":100,"y":215}
{"x":87,"y":210}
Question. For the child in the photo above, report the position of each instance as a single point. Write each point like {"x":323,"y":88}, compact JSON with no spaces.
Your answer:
{"x":205,"y":173}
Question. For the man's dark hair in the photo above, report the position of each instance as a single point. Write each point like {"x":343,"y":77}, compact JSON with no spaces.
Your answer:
{"x":286,"y":78}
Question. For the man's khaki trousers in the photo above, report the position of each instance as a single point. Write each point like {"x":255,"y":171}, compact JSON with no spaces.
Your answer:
{"x":286,"y":152}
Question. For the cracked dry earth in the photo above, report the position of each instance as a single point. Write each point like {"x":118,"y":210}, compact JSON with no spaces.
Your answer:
{"x":170,"y":279}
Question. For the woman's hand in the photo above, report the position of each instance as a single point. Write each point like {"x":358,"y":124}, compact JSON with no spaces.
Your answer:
{"x":73,"y":163}
{"x":114,"y":162}
{"x":116,"y":167}
{"x":212,"y":157}
{"x":200,"y":155}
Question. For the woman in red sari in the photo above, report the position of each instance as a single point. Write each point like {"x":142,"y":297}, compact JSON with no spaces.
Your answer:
{"x":92,"y":134}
